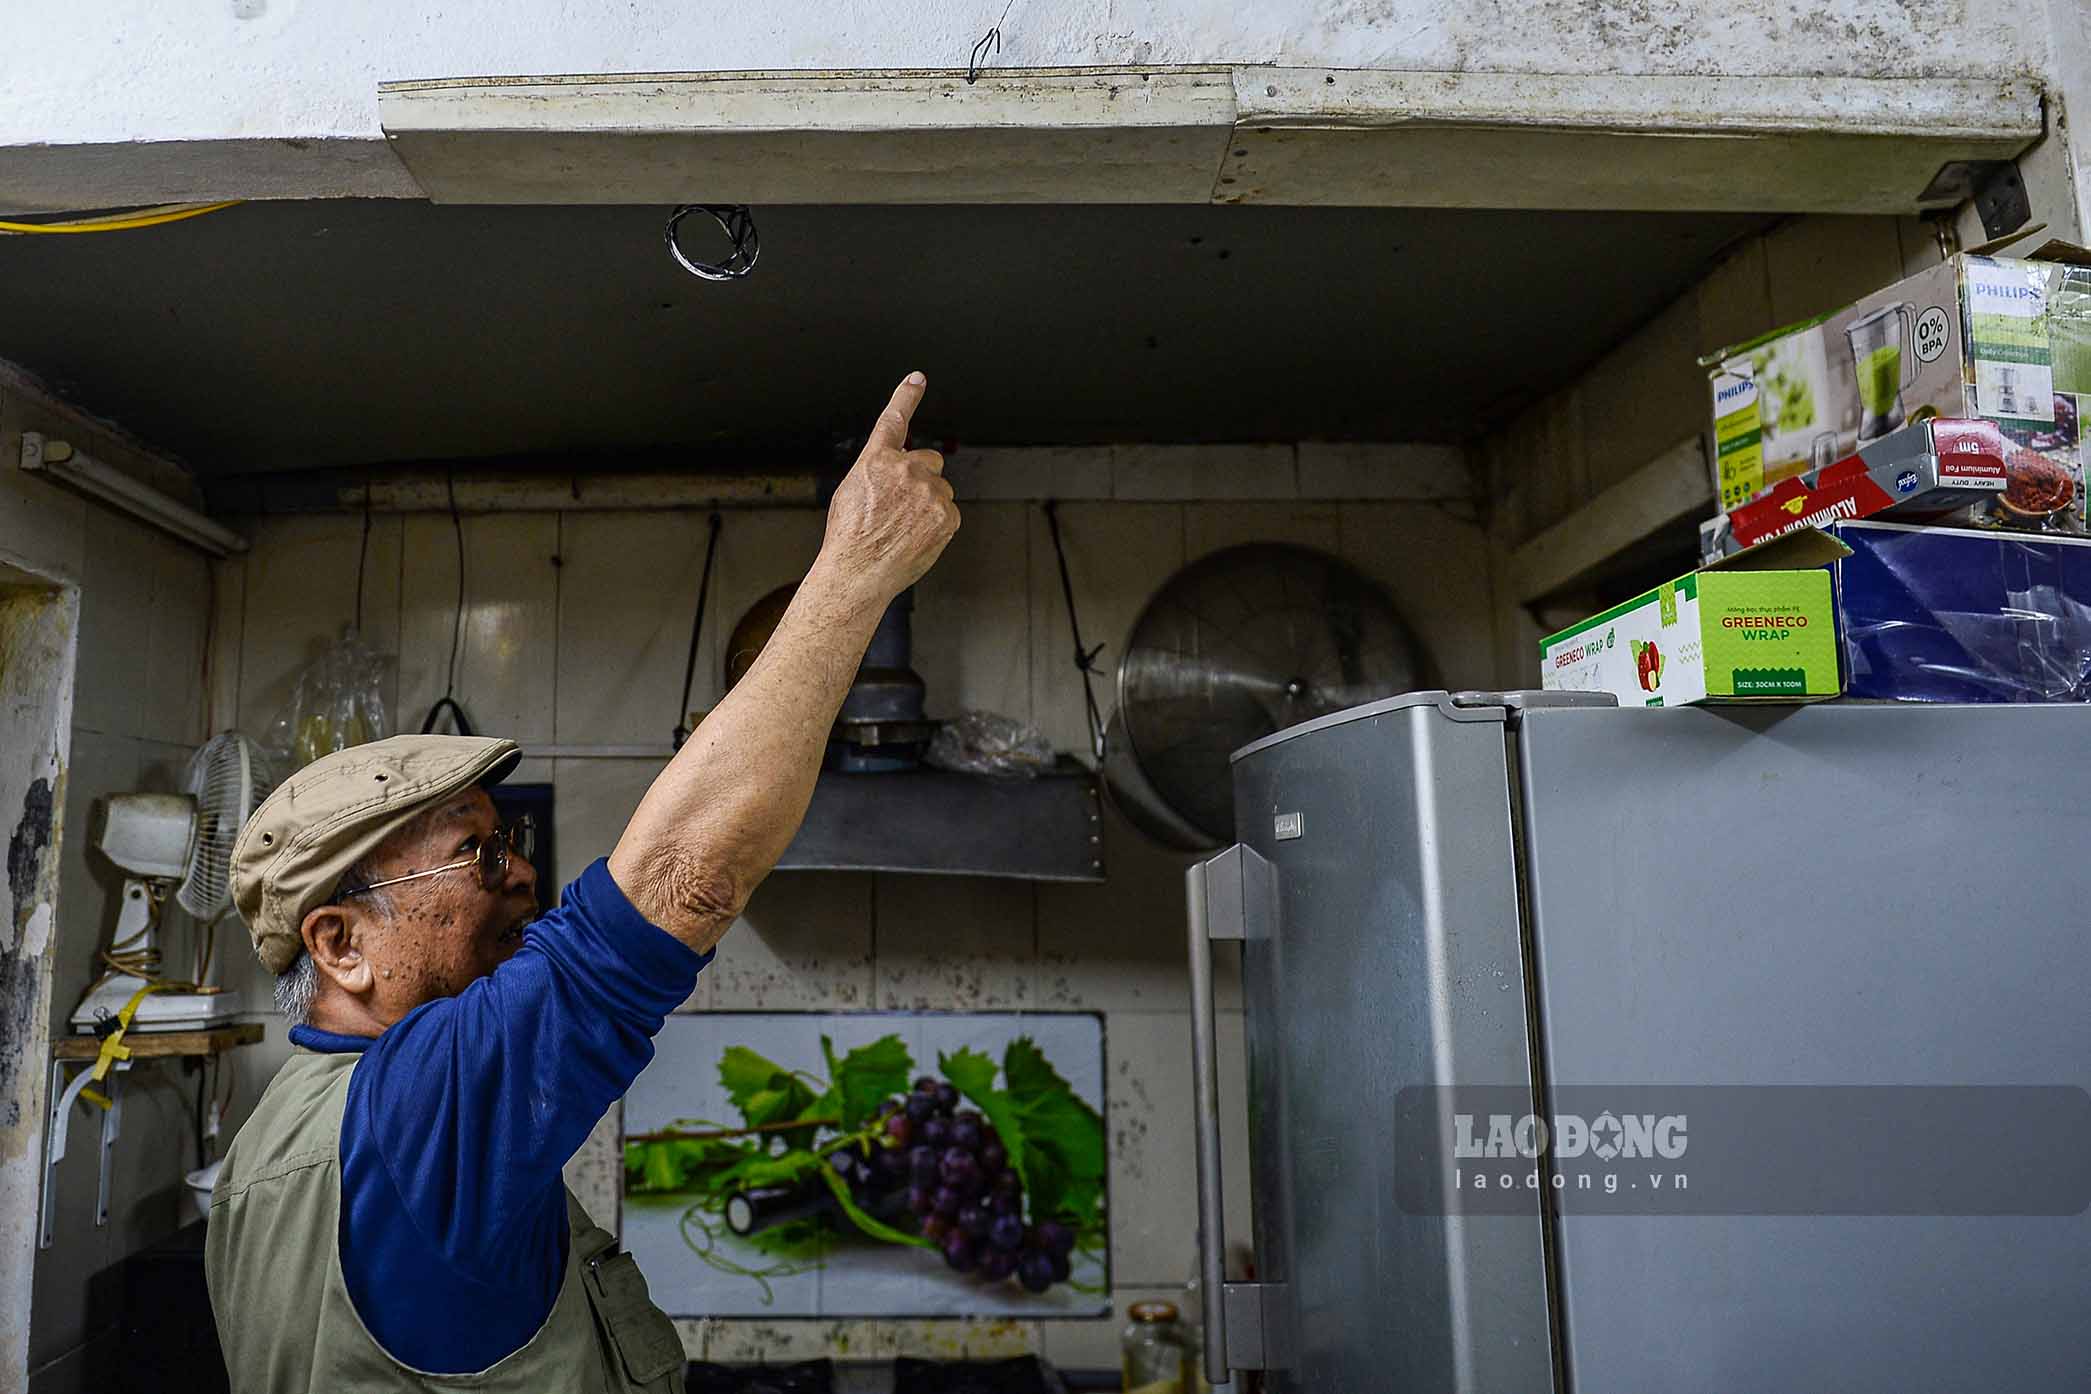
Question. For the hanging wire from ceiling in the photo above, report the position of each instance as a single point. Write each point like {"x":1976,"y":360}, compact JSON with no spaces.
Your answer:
{"x":736,"y":222}
{"x":362,"y":556}
{"x":462,"y":722}
{"x":120,"y":222}
{"x":689,"y":667}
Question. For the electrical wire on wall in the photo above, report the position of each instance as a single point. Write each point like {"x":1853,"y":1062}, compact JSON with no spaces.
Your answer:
{"x":990,"y":42}
{"x":1085,"y":658}
{"x":462,"y":722}
{"x":689,"y":667}
{"x":362,"y":557}
{"x":132,"y":221}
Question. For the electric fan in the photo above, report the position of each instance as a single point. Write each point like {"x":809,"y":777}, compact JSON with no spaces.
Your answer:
{"x":1239,"y":644}
{"x":180,"y":843}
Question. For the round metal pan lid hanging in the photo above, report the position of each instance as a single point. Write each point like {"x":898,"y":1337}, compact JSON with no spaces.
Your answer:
{"x":736,"y":222}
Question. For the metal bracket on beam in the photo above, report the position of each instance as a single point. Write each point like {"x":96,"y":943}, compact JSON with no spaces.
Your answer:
{"x":62,"y":1098}
{"x":1995,"y":186}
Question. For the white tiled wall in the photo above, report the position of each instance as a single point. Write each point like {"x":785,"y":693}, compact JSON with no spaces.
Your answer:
{"x":576,"y":630}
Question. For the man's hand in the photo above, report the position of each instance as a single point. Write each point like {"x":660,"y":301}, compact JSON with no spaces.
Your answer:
{"x":726,"y":807}
{"x":892,"y":515}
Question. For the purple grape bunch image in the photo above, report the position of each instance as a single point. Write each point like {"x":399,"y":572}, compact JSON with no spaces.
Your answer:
{"x":998,"y":1168}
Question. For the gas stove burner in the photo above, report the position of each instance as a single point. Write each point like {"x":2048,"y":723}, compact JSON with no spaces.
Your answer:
{"x":807,"y":1377}
{"x":1025,"y":1374}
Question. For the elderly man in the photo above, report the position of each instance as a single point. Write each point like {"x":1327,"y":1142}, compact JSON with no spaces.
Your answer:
{"x":392,"y":1216}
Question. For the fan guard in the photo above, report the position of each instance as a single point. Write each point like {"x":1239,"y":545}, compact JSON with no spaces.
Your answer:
{"x":228,"y":778}
{"x":1239,"y":644}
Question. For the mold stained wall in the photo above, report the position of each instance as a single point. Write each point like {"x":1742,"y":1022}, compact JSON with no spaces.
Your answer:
{"x":38,"y":621}
{"x":575,"y":629}
{"x":135,"y":699}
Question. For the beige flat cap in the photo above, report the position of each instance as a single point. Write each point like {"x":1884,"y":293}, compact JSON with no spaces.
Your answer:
{"x":331,"y":814}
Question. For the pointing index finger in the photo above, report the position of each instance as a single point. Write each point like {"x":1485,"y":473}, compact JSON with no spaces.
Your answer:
{"x":891,"y":430}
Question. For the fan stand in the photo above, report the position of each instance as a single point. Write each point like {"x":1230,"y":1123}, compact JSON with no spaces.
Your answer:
{"x":160,"y":1011}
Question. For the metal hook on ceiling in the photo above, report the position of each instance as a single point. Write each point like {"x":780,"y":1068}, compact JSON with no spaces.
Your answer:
{"x":736,"y":222}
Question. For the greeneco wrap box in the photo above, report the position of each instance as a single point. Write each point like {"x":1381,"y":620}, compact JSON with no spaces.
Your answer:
{"x":1756,"y":627}
{"x":1974,"y":336}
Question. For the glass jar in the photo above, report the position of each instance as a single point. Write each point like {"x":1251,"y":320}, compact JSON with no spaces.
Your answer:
{"x":1155,"y":1355}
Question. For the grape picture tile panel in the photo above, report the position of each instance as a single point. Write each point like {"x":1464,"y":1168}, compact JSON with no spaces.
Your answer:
{"x":758,"y":1179}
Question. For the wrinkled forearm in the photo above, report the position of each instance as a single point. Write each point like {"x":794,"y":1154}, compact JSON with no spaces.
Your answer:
{"x":716,"y":820}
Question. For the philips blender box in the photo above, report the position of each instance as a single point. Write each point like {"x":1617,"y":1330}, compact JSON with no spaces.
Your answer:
{"x":1756,"y":627}
{"x":1931,"y":614}
{"x":1975,"y":336}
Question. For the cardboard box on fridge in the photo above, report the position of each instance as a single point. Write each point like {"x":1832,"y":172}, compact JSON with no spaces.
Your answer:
{"x":1952,"y":470}
{"x":1978,"y":336}
{"x":1759,"y":626}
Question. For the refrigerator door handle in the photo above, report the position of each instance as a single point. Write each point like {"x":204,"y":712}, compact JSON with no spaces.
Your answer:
{"x":1219,"y":895}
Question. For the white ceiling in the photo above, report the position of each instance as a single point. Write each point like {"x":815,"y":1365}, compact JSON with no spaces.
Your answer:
{"x":287,"y":335}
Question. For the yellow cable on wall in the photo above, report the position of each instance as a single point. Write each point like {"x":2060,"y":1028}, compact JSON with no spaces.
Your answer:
{"x":122,"y":222}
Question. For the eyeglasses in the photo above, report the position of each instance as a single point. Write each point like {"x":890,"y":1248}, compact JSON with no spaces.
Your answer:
{"x":517,"y":839}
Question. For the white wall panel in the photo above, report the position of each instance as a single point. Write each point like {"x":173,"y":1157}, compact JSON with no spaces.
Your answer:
{"x":954,"y":943}
{"x":1117,"y":556}
{"x":116,"y":606}
{"x":1145,"y":474}
{"x":1210,"y":528}
{"x":803,"y":944}
{"x":627,"y":587}
{"x":175,"y":653}
{"x":1120,"y":945}
{"x":301,"y":594}
{"x":507,"y":644}
{"x":1435,"y":566}
{"x":758,"y":552}
{"x":973,"y":622}
{"x":1154,"y":1205}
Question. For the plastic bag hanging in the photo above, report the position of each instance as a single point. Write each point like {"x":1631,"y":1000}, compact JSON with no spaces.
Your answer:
{"x":980,"y":742}
{"x":337,"y":701}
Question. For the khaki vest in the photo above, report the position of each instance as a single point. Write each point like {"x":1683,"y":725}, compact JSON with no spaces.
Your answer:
{"x":273,"y":1257}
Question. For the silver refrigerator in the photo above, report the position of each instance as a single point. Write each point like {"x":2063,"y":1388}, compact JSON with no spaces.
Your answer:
{"x":1847,"y":942}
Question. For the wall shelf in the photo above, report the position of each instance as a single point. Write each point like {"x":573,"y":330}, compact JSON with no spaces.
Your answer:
{"x":215,"y":1040}
{"x":80,"y":1052}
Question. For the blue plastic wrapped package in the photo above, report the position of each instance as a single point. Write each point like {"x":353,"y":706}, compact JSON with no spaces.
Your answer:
{"x":1958,"y":615}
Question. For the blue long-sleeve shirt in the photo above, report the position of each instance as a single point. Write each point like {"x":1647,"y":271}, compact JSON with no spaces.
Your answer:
{"x":460,"y":1116}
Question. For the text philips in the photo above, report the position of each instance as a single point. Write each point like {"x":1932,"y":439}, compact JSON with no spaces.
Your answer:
{"x":1511,"y":1135}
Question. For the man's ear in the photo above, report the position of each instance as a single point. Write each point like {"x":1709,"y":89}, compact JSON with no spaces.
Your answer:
{"x":333,"y":935}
